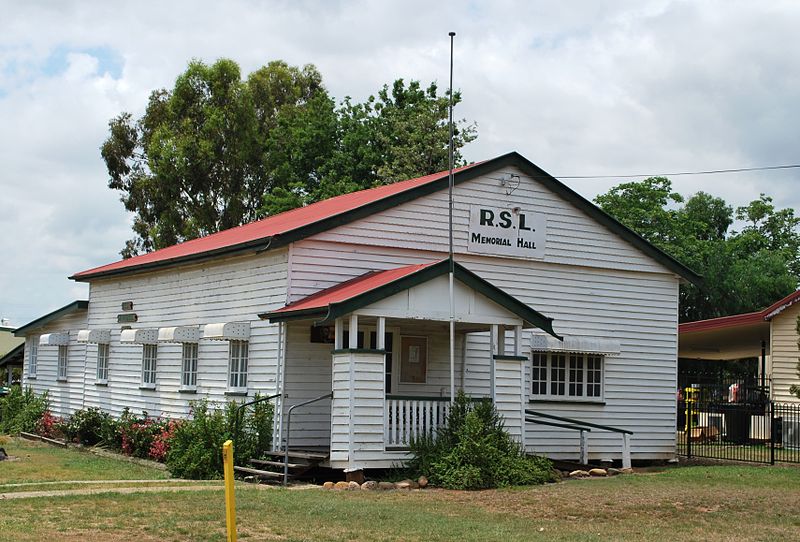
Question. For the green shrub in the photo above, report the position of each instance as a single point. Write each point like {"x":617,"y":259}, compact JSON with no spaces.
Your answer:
{"x":86,"y":426}
{"x":21,"y":410}
{"x":473,"y":451}
{"x":195,"y":448}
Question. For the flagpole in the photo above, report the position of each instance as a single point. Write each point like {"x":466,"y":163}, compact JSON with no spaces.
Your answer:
{"x":452,"y":261}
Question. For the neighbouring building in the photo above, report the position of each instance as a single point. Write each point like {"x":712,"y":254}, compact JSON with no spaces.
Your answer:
{"x":559,"y":309}
{"x":766,"y":341}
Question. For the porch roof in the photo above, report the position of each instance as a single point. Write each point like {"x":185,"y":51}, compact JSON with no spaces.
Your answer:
{"x":355,"y":294}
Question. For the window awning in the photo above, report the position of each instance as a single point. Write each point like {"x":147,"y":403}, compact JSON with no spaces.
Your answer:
{"x":94,"y":336}
{"x":227,"y":331}
{"x":54,"y":339}
{"x":139,"y":336}
{"x":368,"y":290}
{"x":179,"y":334}
{"x":575,"y":343}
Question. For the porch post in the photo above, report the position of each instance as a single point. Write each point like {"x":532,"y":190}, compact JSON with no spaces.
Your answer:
{"x":492,"y":353}
{"x":353,"y":331}
{"x":518,"y":352}
{"x":338,"y":329}
{"x":381,"y":334}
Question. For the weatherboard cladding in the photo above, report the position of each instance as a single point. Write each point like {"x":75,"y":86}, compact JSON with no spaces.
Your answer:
{"x":67,"y":396}
{"x":592,"y":282}
{"x":242,"y":286}
{"x":281,"y":229}
{"x":784,"y":353}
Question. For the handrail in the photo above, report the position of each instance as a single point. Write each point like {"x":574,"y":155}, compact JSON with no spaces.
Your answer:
{"x":289,"y":430}
{"x":577,"y":422}
{"x":562,"y":425}
{"x":584,"y":427}
{"x":237,"y":417}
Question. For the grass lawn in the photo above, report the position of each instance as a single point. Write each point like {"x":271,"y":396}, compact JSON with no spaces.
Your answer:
{"x":687,"y":503}
{"x":38,"y":462}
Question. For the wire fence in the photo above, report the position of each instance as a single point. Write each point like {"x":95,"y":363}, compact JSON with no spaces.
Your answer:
{"x":737,"y":423}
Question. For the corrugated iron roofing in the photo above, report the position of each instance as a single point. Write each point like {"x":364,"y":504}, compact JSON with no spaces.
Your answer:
{"x":266,"y":228}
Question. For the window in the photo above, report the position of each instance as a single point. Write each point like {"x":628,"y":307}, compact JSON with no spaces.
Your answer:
{"x":149,"y":357}
{"x":102,"y":363}
{"x":33,"y":353}
{"x":238,"y":365}
{"x":566,"y":376}
{"x":189,"y":366}
{"x":62,"y":362}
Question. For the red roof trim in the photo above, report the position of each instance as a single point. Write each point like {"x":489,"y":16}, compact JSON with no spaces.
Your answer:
{"x":745,"y":319}
{"x":260,"y":231}
{"x":723,"y":322}
{"x":779,"y":306}
{"x":352,"y":288}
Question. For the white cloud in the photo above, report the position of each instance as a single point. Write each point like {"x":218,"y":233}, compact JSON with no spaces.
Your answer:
{"x":592,"y":87}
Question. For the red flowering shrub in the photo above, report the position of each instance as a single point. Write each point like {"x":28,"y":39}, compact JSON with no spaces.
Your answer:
{"x":49,"y":426}
{"x":162,"y":440}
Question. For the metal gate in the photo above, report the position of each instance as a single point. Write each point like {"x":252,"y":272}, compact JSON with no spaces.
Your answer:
{"x":737,"y":423}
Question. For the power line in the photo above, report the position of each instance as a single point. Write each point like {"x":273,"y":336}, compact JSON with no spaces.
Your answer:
{"x":705,"y":172}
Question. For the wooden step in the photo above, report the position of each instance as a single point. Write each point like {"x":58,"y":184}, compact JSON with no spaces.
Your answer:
{"x":312,"y":456}
{"x":257,"y":472}
{"x":265,"y":463}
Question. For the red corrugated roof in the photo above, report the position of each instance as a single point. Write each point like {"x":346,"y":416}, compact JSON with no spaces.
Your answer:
{"x":735,"y":320}
{"x":352,"y":288}
{"x":745,"y":319}
{"x":268,"y":227}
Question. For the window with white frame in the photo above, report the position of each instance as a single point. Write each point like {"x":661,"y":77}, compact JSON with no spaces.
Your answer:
{"x":33,"y":353}
{"x":237,"y":367}
{"x":189,"y":366}
{"x":566,"y":376}
{"x":102,"y":363}
{"x":149,"y":358}
{"x":63,"y":357}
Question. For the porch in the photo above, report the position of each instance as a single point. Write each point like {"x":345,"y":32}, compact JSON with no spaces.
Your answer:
{"x":380,"y":346}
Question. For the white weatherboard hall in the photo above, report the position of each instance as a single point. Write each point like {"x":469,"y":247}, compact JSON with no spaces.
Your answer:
{"x":560,"y":310}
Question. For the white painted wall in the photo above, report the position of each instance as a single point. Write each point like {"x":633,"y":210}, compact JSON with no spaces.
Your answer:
{"x":65,"y":397}
{"x":229,"y":290}
{"x":591,"y":281}
{"x":785,"y":354}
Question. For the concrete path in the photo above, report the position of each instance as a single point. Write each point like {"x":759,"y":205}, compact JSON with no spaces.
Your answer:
{"x":102,"y":491}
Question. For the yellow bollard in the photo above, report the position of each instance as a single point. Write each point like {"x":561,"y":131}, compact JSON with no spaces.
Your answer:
{"x":230,"y":496}
{"x":691,"y":398}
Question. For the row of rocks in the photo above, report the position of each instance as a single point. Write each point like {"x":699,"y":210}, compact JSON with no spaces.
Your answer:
{"x":373,"y":485}
{"x":598,"y":472}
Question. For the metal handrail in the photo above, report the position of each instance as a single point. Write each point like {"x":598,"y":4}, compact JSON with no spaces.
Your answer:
{"x":555,"y":424}
{"x":238,"y":418}
{"x":576,"y":422}
{"x":584,"y":427}
{"x":289,"y":430}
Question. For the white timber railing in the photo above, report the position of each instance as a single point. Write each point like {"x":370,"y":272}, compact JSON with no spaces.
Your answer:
{"x":408,"y":418}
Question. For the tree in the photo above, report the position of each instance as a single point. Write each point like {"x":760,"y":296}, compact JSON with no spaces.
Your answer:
{"x":400,"y":134}
{"x":217,"y":151}
{"x":743,"y":271}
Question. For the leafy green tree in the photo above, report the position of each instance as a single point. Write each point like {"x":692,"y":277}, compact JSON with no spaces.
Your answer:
{"x":217,"y":150}
{"x":400,"y":134}
{"x":743,"y":271}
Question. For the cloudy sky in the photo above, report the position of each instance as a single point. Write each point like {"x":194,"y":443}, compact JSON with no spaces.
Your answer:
{"x":584,"y":87}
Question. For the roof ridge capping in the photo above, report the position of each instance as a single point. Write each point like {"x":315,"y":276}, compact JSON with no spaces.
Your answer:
{"x":281,"y":229}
